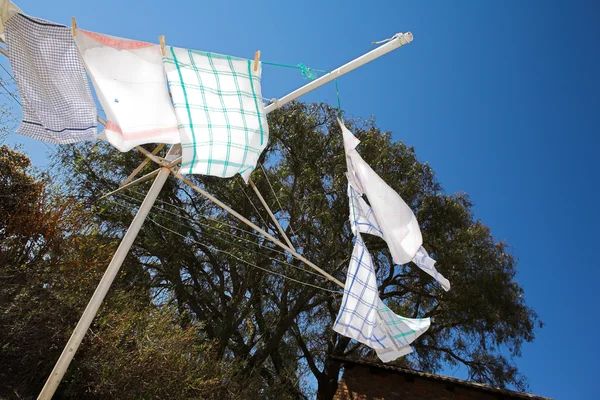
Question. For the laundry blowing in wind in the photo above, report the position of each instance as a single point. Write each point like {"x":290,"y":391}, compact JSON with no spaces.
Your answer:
{"x":209,"y":108}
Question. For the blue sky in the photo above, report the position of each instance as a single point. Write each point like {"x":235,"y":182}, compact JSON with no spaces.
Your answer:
{"x":500,"y":97}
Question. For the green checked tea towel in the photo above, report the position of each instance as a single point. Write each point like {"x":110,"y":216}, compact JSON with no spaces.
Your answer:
{"x":219,"y":108}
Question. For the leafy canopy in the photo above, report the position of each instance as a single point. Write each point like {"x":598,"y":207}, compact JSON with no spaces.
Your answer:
{"x":208,"y":270}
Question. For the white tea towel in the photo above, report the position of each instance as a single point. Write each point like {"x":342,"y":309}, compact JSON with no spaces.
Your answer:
{"x":130,"y":82}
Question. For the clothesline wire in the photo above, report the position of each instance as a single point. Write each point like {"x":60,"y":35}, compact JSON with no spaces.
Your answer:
{"x":246,"y":262}
{"x":279,"y":204}
{"x":215,"y":228}
{"x":307,"y":72}
{"x":7,"y":111}
{"x":253,"y":206}
{"x":8,"y":73}
{"x":297,"y":66}
{"x":232,"y":243}
{"x":9,"y":92}
{"x":202,"y":216}
{"x":207,"y":225}
{"x":240,"y":246}
{"x":221,"y":231}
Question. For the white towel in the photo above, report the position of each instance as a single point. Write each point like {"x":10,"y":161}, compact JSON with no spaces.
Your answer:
{"x":57,"y":103}
{"x":365,"y":318}
{"x":388,"y":216}
{"x":218,"y":102}
{"x":362,"y":218}
{"x":130,"y":83}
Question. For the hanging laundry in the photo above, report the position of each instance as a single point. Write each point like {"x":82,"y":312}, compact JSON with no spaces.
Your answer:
{"x":426,"y":263}
{"x":7,"y":10}
{"x":392,"y":219}
{"x":218,"y":103}
{"x":362,"y":218}
{"x":365,"y":318}
{"x":57,"y":103}
{"x":130,"y":83}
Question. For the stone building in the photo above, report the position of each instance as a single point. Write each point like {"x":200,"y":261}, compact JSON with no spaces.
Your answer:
{"x":363,"y":380}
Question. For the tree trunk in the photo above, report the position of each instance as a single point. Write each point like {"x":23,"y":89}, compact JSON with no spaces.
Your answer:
{"x":328,"y":382}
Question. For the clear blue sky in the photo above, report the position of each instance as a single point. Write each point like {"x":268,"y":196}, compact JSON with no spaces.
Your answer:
{"x":500,"y":97}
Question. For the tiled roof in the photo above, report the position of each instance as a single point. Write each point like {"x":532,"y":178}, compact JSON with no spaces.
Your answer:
{"x":441,"y":378}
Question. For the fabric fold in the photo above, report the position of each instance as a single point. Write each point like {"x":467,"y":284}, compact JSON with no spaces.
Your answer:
{"x":427,"y":264}
{"x":57,"y":103}
{"x":388,"y":216}
{"x":130,"y":83}
{"x":362,"y":218}
{"x":218,"y":103}
{"x":365,"y":318}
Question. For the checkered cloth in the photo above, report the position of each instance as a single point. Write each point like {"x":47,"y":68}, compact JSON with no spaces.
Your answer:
{"x":365,"y":318}
{"x":57,"y":103}
{"x":402,"y":331}
{"x":388,"y":217}
{"x":219,"y":108}
{"x":426,"y":263}
{"x":362,"y":218}
{"x":129,"y":79}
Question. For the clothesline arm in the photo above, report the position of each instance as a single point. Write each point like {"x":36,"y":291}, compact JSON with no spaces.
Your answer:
{"x":130,"y":184}
{"x":398,"y":41}
{"x":266,"y":206}
{"x":256,"y":228}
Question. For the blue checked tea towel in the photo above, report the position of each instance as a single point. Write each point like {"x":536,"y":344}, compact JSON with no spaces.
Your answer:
{"x":362,"y":218}
{"x":365,"y":318}
{"x":218,"y":103}
{"x":56,"y":99}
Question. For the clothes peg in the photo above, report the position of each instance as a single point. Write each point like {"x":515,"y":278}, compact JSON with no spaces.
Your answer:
{"x":74,"y":26}
{"x":162,"y":44}
{"x":256,"y":58}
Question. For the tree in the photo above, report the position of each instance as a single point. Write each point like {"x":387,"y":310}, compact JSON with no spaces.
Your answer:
{"x":7,"y":118}
{"x":52,"y":255}
{"x":211,"y":269}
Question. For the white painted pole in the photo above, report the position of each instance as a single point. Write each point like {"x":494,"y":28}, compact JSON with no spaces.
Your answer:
{"x":142,"y":165}
{"x":399,"y":40}
{"x":266,"y":206}
{"x":111,"y":272}
{"x":130,"y":184}
{"x":256,"y":228}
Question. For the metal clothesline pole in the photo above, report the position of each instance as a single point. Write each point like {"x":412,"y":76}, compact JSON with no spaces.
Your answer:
{"x":397,"y":41}
{"x":256,"y":228}
{"x":266,"y":206}
{"x":111,"y":272}
{"x":142,"y":165}
{"x":173,"y":158}
{"x":130,"y":184}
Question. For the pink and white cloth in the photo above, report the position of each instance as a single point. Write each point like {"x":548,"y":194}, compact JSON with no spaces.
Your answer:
{"x":130,"y":83}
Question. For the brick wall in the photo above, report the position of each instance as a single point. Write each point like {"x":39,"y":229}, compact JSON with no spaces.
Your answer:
{"x":362,"y":382}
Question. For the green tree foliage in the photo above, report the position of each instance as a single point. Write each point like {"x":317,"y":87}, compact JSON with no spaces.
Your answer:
{"x":262,"y":313}
{"x":52,"y":255}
